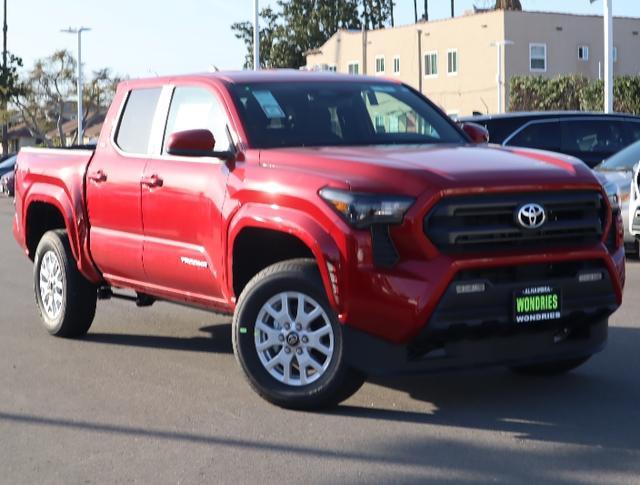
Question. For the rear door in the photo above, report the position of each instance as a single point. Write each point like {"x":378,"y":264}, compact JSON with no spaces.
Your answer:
{"x":182,"y":201}
{"x":113,"y":189}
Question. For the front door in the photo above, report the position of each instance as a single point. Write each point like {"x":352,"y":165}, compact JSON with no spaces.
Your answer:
{"x":182,"y":200}
{"x":113,"y":190}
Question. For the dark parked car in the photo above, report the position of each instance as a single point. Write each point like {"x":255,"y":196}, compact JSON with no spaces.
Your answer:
{"x":591,"y":137}
{"x":7,"y":183}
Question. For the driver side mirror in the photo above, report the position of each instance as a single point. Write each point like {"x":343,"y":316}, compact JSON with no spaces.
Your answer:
{"x":195,"y":143}
{"x":477,"y":133}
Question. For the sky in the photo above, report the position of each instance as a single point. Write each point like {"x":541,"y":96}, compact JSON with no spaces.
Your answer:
{"x":142,"y":38}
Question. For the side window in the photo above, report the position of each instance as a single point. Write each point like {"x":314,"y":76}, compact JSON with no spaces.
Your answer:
{"x":542,"y":136}
{"x":391,"y":115}
{"x":197,"y":108}
{"x":593,"y":136}
{"x":134,"y":130}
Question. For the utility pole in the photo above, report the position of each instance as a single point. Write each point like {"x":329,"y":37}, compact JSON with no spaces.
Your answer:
{"x":79,"y":32}
{"x":256,"y":36}
{"x":608,"y":55}
{"x":415,"y":10}
{"x":426,"y":10}
{"x":5,"y":126}
{"x":453,"y":14}
{"x":392,"y":21}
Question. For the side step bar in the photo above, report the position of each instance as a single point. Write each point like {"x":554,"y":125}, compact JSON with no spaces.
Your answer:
{"x":141,"y":299}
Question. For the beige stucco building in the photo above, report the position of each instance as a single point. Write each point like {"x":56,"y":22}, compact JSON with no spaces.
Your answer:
{"x":455,"y":61}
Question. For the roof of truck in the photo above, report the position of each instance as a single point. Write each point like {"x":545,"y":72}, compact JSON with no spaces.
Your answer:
{"x":266,"y":75}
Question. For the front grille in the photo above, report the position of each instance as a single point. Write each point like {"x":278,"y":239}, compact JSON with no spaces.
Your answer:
{"x":481,"y":222}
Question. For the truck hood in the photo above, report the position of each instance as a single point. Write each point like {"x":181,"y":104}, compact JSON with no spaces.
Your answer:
{"x":409,"y":168}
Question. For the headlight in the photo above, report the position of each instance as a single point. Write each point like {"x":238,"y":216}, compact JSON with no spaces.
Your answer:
{"x":363,"y":210}
{"x":613,"y":193}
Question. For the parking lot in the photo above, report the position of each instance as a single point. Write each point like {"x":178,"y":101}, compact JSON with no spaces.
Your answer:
{"x":154,"y":396}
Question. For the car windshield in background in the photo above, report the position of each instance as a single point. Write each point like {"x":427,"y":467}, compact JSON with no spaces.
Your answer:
{"x":623,"y":160}
{"x":307,"y":114}
{"x":9,"y":162}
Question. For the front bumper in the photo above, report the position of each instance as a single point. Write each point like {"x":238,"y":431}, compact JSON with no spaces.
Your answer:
{"x":479,"y":329}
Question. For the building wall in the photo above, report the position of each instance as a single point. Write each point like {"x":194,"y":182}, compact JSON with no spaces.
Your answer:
{"x":475,"y":87}
{"x":563,"y":34}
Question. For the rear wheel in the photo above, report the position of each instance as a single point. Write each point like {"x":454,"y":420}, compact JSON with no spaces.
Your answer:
{"x":288,"y":340}
{"x":65,"y":299}
{"x":554,"y":368}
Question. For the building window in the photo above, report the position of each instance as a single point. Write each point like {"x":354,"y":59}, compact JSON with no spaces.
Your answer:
{"x":354,"y":68}
{"x":583,"y":53}
{"x":452,"y":61}
{"x":615,"y":54}
{"x":538,"y":57}
{"x":379,"y":64}
{"x":431,"y":64}
{"x":332,"y":68}
{"x":396,"y":65}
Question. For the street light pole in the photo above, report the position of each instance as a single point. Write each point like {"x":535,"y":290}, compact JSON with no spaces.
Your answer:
{"x":608,"y":55}
{"x":5,"y":126}
{"x":256,"y":36}
{"x":79,"y":31}
{"x":608,"y":62}
{"x":499,"y":45}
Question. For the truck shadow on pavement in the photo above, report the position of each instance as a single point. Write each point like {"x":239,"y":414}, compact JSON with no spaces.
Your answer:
{"x":596,"y":405}
{"x":219,"y":340}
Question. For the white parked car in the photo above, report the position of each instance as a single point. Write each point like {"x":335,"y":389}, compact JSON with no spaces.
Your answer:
{"x":617,"y":173}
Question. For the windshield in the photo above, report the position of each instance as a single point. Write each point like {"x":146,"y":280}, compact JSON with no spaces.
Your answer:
{"x":307,"y":114}
{"x":9,"y":162}
{"x":623,"y":160}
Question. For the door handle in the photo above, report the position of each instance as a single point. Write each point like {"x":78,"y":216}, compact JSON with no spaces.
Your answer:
{"x":98,"y":177}
{"x":152,"y":181}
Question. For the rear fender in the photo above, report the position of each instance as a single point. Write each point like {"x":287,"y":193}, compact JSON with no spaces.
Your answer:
{"x":74,"y":219}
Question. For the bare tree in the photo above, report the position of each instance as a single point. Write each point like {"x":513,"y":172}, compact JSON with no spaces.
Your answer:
{"x":50,"y":86}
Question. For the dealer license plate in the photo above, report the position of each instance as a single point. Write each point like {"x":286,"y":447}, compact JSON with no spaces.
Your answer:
{"x":537,"y":304}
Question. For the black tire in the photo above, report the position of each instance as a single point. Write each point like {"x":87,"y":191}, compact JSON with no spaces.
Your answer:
{"x":79,"y":296}
{"x":337,"y":383}
{"x":549,"y":369}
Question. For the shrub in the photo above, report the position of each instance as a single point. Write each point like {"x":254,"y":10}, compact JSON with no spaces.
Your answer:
{"x":572,"y":92}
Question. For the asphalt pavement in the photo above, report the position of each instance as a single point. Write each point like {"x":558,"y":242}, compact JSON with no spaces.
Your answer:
{"x":154,"y":396}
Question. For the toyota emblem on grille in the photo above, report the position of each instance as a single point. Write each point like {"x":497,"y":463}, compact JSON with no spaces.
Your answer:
{"x":531,"y":216}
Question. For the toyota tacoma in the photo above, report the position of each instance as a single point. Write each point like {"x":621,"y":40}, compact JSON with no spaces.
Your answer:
{"x":346,"y":222}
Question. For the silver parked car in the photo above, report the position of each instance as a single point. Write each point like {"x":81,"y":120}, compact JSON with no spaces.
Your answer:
{"x":618,"y":170}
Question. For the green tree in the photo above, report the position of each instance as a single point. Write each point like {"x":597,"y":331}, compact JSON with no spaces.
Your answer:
{"x":297,"y":26}
{"x":10,"y":87}
{"x":268,"y":27}
{"x":376,"y":13}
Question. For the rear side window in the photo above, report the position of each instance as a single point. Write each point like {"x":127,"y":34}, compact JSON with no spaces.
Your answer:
{"x":602,"y":137}
{"x":134,"y":130}
{"x":542,"y":136}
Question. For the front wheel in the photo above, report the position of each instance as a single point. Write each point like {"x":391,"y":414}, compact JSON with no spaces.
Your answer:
{"x":65,"y":299}
{"x":288,"y":341}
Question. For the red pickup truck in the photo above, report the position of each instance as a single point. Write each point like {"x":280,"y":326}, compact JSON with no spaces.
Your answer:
{"x":349,"y":226}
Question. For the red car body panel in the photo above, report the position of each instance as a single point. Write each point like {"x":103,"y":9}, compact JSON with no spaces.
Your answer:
{"x":176,"y":240}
